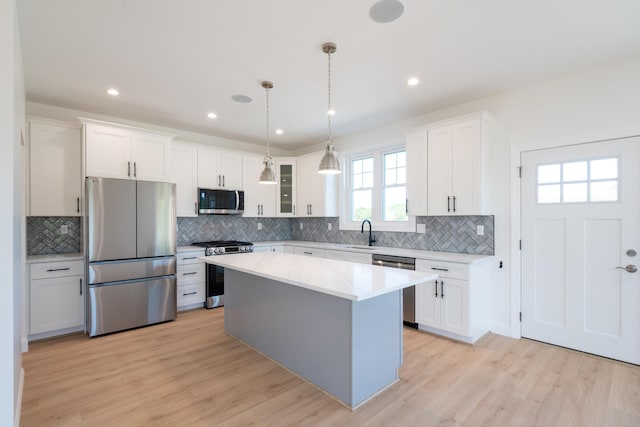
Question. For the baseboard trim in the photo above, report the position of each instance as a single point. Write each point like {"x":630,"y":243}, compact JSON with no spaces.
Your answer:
{"x":502,"y":329}
{"x":16,"y":418}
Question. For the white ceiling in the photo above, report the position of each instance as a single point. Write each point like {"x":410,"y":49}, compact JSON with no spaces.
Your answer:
{"x":176,"y":60}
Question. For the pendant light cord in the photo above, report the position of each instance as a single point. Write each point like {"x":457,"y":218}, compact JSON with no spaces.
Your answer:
{"x":329,"y":114}
{"x":267,"y":89}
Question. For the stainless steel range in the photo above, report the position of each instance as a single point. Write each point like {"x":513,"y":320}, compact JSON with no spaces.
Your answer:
{"x":215,"y":273}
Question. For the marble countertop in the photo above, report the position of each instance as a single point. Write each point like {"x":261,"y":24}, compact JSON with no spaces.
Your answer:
{"x":412,"y":253}
{"x":54,"y":257}
{"x":342,"y":279}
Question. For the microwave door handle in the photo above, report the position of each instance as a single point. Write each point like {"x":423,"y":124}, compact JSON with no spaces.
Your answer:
{"x":237,"y":200}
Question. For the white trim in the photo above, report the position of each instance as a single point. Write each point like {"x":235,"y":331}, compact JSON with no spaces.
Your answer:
{"x":85,"y":120}
{"x":516,"y":212}
{"x":16,"y":417}
{"x":54,"y":122}
{"x":25,"y":344}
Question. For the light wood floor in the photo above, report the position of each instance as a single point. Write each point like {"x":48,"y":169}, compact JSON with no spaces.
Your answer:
{"x":190,"y":373}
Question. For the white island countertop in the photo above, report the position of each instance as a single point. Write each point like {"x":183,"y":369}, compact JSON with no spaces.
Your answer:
{"x":342,"y":279}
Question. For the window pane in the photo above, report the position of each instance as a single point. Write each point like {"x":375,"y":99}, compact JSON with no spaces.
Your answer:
{"x":548,"y":173}
{"x":604,"y":169}
{"x":361,"y":205}
{"x":395,"y":208}
{"x":390,"y":177}
{"x":367,"y":165}
{"x":576,"y":171}
{"x":357,"y":166}
{"x":604,"y":191}
{"x":402,"y":159}
{"x":390,"y":161}
{"x":402,"y":175}
{"x":574,"y":192}
{"x":367,"y":180}
{"x":357,"y":181}
{"x":549,"y":193}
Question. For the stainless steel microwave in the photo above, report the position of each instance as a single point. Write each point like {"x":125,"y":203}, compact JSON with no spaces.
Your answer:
{"x":229,"y":202}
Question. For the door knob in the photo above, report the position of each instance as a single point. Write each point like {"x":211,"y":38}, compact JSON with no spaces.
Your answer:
{"x":631,"y":252}
{"x":629,"y":268}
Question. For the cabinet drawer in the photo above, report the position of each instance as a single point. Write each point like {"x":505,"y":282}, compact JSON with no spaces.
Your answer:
{"x":47,"y":270}
{"x":190,"y":294}
{"x":348,"y":256}
{"x":192,"y":273}
{"x":309,"y":251}
{"x":444,"y":269}
{"x":190,"y":257}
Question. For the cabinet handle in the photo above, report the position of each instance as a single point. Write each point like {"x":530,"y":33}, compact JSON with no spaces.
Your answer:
{"x":310,"y":208}
{"x":442,"y":289}
{"x":59,"y":269}
{"x":135,"y":169}
{"x":258,"y":208}
{"x":189,"y":293}
{"x":223,"y":180}
{"x":308,"y":253}
{"x":439,"y":269}
{"x":435,"y":286}
{"x":78,"y":204}
{"x":454,"y":203}
{"x":261,"y":209}
{"x":448,"y":204}
{"x":219,"y":181}
{"x":81,"y":286}
{"x":406,"y":206}
{"x":294,"y":210}
{"x":195,"y":204}
{"x":190,"y":257}
{"x":189,"y":273}
{"x":128,"y":168}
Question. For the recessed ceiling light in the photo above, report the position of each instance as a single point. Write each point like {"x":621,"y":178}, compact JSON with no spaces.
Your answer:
{"x":386,"y":11}
{"x":413,"y":81}
{"x":331,"y":112}
{"x":243,"y":99}
{"x":279,"y":131}
{"x":212,"y":115}
{"x":113,"y":92}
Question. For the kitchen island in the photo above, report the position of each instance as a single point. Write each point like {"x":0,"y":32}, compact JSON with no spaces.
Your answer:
{"x":334,"y":323}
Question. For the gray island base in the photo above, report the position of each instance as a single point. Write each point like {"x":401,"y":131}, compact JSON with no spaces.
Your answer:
{"x":350,"y":349}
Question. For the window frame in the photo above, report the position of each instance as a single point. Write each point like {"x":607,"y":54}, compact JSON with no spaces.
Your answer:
{"x":346,"y":190}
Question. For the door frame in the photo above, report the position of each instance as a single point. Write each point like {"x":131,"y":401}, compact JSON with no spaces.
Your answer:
{"x":516,"y":203}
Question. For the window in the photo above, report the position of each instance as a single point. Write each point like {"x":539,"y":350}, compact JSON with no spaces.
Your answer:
{"x":375,"y":188}
{"x":579,"y":181}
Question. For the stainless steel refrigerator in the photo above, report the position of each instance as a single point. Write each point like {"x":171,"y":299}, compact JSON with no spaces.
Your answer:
{"x":131,"y":248}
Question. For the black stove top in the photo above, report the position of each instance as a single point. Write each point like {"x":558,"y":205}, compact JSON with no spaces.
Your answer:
{"x":222,"y":243}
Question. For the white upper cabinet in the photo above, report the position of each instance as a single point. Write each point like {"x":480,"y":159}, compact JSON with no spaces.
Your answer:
{"x":286,"y":188}
{"x":445,"y":173}
{"x":219,"y":169}
{"x":55,"y":177}
{"x":184,"y":161}
{"x":416,"y":146}
{"x":317,"y":194}
{"x":259,"y":199}
{"x":126,"y":153}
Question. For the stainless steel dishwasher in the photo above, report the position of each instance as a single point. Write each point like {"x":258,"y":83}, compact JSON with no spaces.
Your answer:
{"x":408,"y":294}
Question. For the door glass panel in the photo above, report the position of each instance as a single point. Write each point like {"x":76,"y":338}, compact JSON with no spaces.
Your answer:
{"x":549,"y":193}
{"x":604,"y":169}
{"x":572,"y":193}
{"x":548,"y":174}
{"x":604,"y":191}
{"x":576,"y":171}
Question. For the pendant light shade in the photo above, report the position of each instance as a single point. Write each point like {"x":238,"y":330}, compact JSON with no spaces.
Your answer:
{"x":267,"y":176}
{"x":329,"y":164}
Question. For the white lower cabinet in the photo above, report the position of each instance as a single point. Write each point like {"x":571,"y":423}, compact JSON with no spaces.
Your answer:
{"x":348,"y":256}
{"x":455,"y":305}
{"x":315,"y":252}
{"x":191,"y":279}
{"x":273,"y":248}
{"x":56,"y":298}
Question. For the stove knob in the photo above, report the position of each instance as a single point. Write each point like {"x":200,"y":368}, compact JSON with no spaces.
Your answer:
{"x":209,"y":252}
{"x":221,"y":250}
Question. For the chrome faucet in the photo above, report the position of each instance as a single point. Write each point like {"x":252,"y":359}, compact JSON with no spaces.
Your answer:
{"x":372,"y":239}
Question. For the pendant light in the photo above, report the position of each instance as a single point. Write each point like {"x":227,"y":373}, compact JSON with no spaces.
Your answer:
{"x":329,"y":164}
{"x":267,"y":176}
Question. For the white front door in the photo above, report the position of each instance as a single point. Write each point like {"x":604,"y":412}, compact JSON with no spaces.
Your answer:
{"x":580,"y":214}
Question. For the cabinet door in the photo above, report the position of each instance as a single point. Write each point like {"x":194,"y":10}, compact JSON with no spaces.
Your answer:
{"x":286,"y":191}
{"x":439,"y":170}
{"x":108,"y":152}
{"x":428,"y":304}
{"x":184,"y":166}
{"x":54,"y":170}
{"x":209,"y":175}
{"x":416,"y":146}
{"x":466,"y":164}
{"x":230,"y":166}
{"x":317,"y":194}
{"x":259,"y":199}
{"x":151,"y":157}
{"x":454,"y":315}
{"x":56,"y":304}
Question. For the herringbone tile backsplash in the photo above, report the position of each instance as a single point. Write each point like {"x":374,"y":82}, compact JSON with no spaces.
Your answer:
{"x":44,"y":237}
{"x":447,"y":234}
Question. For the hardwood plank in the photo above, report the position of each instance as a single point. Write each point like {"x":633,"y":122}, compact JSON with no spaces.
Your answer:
{"x":190,"y":373}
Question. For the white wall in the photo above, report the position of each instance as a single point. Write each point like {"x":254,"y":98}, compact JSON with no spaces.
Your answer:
{"x":12,"y":104}
{"x":580,"y":107}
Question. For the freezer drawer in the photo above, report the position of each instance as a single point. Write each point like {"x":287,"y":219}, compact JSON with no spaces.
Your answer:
{"x":133,"y":269}
{"x":126,"y":305}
